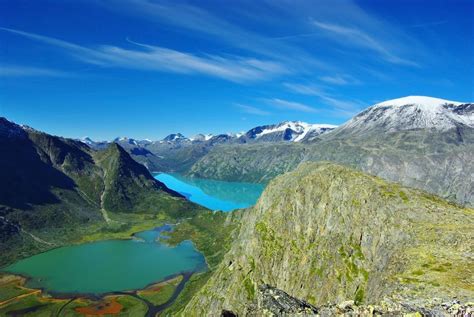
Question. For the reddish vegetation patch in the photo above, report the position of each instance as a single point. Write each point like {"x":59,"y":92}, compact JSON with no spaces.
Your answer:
{"x":111,"y":307}
{"x":153,"y":289}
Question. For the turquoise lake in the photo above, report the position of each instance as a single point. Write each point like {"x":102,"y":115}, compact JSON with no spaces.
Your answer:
{"x":213,"y":194}
{"x":108,"y":266}
{"x":119,"y":265}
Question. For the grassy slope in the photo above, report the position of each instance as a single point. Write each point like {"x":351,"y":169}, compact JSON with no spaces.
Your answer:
{"x":212,"y":235}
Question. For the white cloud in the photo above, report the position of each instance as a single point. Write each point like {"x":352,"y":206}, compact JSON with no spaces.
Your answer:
{"x":155,"y":58}
{"x":339,"y":80}
{"x":357,"y":37}
{"x":25,"y":71}
{"x":290,"y":105}
{"x":304,"y":89}
{"x":345,"y":108}
{"x":201,"y":21}
{"x":252,"y":110}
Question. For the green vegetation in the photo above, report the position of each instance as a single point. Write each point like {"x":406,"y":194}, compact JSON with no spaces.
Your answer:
{"x":131,"y":306}
{"x":209,"y":232}
{"x":160,"y":293}
{"x":67,"y":193}
{"x":195,"y":283}
{"x":10,"y":287}
{"x":249,"y":288}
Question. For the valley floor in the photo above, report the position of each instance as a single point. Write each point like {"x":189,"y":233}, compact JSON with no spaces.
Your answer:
{"x":207,"y":230}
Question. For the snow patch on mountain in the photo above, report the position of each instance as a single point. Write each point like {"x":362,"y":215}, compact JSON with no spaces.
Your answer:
{"x":422,"y":101}
{"x":295,"y":131}
{"x":201,"y":137}
{"x":413,"y":112}
{"x":175,"y":137}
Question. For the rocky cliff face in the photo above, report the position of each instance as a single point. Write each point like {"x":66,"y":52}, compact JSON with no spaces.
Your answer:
{"x":326,"y":234}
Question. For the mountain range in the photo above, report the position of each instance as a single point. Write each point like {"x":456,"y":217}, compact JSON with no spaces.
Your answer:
{"x":177,"y":153}
{"x":421,"y":142}
{"x":294,"y":131}
{"x":54,"y":188}
{"x":348,"y":223}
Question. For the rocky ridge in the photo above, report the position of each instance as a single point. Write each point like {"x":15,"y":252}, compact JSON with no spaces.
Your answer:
{"x":327,"y":234}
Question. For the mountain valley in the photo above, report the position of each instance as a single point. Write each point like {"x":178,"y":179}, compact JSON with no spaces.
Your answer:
{"x":353,"y":218}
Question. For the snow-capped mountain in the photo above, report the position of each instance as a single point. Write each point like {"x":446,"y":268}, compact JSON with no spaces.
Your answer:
{"x":294,"y":131}
{"x":126,"y":140}
{"x":410,"y":113}
{"x":201,"y":137}
{"x":175,"y":137}
{"x":97,"y":145}
{"x":87,"y":140}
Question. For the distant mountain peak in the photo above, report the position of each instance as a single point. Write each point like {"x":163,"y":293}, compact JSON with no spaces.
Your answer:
{"x":175,"y":137}
{"x":10,"y":129}
{"x":411,"y":113}
{"x":294,"y":131}
{"x":201,"y":137}
{"x":424,"y":101}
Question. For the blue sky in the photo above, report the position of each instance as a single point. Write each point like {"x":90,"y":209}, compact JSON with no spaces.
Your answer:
{"x":147,"y":68}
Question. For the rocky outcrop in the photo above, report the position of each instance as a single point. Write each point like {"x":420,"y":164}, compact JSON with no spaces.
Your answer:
{"x":271,"y":301}
{"x":326,"y":234}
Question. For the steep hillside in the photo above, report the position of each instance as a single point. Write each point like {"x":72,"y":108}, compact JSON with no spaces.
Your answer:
{"x":250,"y":162}
{"x":129,"y":186}
{"x":325,"y":233}
{"x":52,"y":190}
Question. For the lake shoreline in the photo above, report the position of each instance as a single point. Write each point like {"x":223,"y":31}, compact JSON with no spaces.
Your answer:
{"x":156,"y":239}
{"x":71,"y":297}
{"x":213,"y":194}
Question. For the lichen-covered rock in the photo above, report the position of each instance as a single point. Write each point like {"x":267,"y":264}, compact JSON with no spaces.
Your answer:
{"x":274,"y":302}
{"x":328,"y":234}
{"x":271,"y":301}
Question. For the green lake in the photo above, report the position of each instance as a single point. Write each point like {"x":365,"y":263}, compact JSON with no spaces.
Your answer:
{"x":120,"y":265}
{"x":109,"y":266}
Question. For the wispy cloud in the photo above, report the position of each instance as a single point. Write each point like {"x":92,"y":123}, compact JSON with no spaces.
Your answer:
{"x":25,"y":71}
{"x":205,"y":22}
{"x":290,"y":105}
{"x":252,"y":110}
{"x":355,"y":36}
{"x":344,"y":108}
{"x":155,"y":58}
{"x":304,"y":89}
{"x":339,"y":80}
